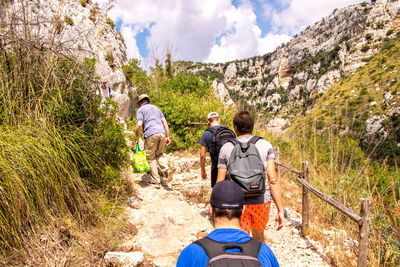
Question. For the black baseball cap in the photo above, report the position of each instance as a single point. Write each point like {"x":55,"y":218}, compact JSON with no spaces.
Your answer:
{"x":227,"y":195}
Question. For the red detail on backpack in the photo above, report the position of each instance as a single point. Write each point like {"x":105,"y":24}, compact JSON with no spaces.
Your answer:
{"x":254,"y":186}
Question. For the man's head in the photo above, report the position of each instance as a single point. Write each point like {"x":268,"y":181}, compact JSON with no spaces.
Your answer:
{"x":143,"y":98}
{"x":226,"y":200}
{"x":243,"y":122}
{"x":104,"y":84}
{"x":213,"y":118}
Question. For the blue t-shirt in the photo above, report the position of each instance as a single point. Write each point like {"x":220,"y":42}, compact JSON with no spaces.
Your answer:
{"x":194,"y":255}
{"x":206,"y":138}
{"x":152,"y":119}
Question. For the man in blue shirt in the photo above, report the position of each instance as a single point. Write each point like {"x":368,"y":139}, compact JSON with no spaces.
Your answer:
{"x":226,"y":206}
{"x":205,"y":141}
{"x":156,"y":135}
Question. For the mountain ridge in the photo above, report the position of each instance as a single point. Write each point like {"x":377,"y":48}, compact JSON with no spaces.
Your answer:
{"x":296,"y":73}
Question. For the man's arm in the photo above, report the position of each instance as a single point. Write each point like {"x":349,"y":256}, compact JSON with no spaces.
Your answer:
{"x":139,"y":125}
{"x":221,"y":174}
{"x":203,"y":151}
{"x":223,"y":159}
{"x":166,"y":128}
{"x":276,"y":192}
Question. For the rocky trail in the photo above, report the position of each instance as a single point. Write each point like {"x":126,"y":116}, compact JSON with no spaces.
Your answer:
{"x":168,"y":220}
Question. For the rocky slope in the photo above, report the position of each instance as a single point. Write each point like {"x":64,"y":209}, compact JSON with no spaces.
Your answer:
{"x":167,"y":221}
{"x":74,"y":28}
{"x":300,"y":71}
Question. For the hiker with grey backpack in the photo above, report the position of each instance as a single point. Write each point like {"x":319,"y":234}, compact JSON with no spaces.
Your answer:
{"x":227,"y":245}
{"x":249,"y":161}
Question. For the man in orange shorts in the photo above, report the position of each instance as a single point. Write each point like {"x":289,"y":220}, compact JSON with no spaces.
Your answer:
{"x":256,"y":209}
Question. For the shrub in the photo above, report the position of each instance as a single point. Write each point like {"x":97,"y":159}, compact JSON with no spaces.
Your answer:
{"x":68,"y":21}
{"x":110,"y":22}
{"x":254,"y":83}
{"x":380,"y":25}
{"x":92,"y":15}
{"x":242,"y":72}
{"x":136,"y":75}
{"x":175,"y":97}
{"x":84,"y":2}
{"x":389,"y":32}
{"x":365,"y":48}
{"x":110,"y":59}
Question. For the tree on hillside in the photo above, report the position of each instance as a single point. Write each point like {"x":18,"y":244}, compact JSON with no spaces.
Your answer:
{"x":136,"y":75}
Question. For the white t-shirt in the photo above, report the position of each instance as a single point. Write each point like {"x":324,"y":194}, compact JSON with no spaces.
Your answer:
{"x":105,"y":92}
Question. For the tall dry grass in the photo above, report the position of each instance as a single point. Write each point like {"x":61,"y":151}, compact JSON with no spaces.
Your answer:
{"x":60,"y":155}
{"x":340,"y":169}
{"x":40,"y":179}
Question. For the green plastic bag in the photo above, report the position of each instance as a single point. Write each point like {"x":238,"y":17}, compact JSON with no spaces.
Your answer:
{"x":140,"y":163}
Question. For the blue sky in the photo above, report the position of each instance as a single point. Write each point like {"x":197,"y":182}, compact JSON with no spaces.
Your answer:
{"x":213,"y":30}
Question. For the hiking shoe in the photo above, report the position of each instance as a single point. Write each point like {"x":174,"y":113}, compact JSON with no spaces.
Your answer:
{"x":154,"y":184}
{"x":170,"y":176}
{"x":166,"y":186}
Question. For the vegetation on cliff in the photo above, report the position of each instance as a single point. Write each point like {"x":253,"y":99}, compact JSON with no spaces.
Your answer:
{"x":185,"y":100}
{"x":349,"y":162}
{"x":61,"y":154}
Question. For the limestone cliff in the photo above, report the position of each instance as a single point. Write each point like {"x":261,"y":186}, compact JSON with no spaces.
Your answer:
{"x":300,"y":71}
{"x":80,"y":29}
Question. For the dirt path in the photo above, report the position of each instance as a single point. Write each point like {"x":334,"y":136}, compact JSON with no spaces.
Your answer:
{"x":167,"y":221}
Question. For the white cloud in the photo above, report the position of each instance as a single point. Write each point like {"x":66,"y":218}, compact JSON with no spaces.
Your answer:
{"x":272,"y":41}
{"x":268,"y":9}
{"x":241,"y":36}
{"x":129,"y":36}
{"x":301,"y":13}
{"x":189,"y":28}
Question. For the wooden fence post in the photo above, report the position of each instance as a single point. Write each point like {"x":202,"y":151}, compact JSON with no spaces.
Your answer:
{"x":278,"y":170}
{"x":363,"y":233}
{"x":306,"y":200}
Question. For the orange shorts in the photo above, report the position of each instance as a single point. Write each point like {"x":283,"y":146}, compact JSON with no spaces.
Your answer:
{"x":255,"y":216}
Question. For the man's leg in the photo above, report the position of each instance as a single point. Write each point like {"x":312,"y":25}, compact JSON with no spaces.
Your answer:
{"x":261,"y":218}
{"x":161,"y":160}
{"x":214,"y":172}
{"x":150,"y":146}
{"x":259,"y":235}
{"x":246,"y":220}
{"x":255,"y":219}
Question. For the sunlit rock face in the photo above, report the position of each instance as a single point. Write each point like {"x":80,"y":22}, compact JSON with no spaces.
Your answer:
{"x":80,"y":29}
{"x":334,"y":47}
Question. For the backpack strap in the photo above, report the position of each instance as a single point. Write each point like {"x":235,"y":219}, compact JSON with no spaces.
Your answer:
{"x":214,"y":248}
{"x":234,"y":141}
{"x":254,"y":140}
{"x":211,"y":130}
{"x":245,"y":146}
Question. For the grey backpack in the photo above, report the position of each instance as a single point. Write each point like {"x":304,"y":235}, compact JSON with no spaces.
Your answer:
{"x":219,"y":257}
{"x":246,"y":168}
